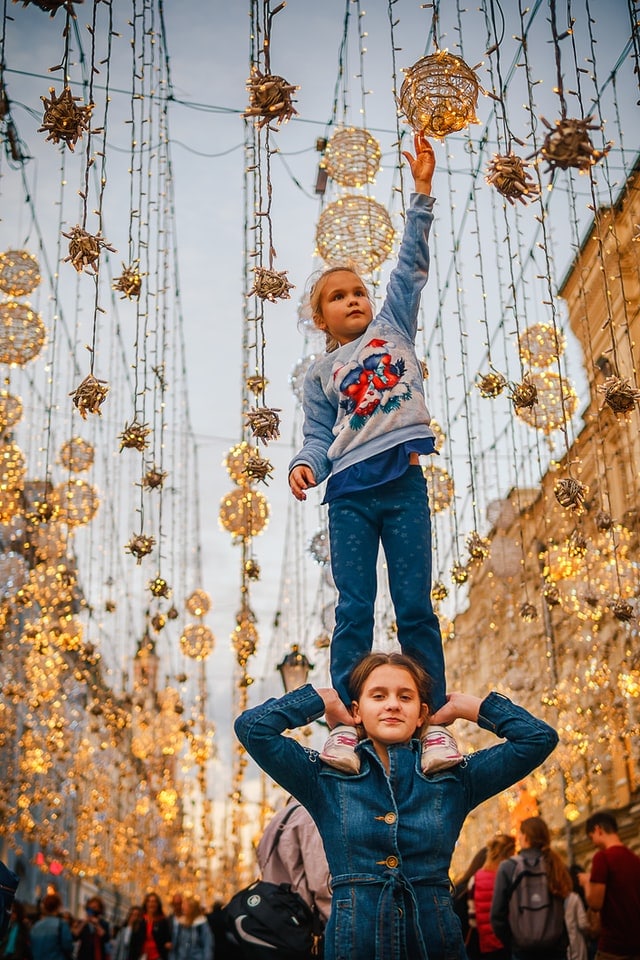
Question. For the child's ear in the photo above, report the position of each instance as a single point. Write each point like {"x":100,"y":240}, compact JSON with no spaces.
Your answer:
{"x":319,"y":322}
{"x":355,"y":710}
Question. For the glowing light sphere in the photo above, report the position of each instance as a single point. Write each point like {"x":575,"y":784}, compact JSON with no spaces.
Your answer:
{"x":297,"y":375}
{"x":48,"y":540}
{"x":505,"y":559}
{"x":244,"y":513}
{"x":79,"y":502}
{"x":352,"y":157}
{"x":319,"y":547}
{"x":236,"y":462}
{"x":19,"y":273}
{"x":198,"y":603}
{"x":197,"y":641}
{"x":202,"y":747}
{"x":355,"y":229}
{"x":557,"y":402}
{"x":440,"y":486}
{"x":439,"y":95}
{"x":21,"y":332}
{"x":540,"y":345}
{"x":244,"y":640}
{"x":76,"y":455}
{"x":10,"y":411}
{"x":12,"y":471}
{"x":14,"y":573}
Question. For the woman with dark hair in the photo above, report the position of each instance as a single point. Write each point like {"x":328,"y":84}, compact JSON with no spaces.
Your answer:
{"x":15,"y":944}
{"x":534,"y":844}
{"x":462,"y":904}
{"x":389,"y":830}
{"x":152,"y":936}
{"x":50,"y":936}
{"x":121,"y":949}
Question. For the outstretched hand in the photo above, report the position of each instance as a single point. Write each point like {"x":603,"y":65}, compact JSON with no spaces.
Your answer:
{"x":423,"y":164}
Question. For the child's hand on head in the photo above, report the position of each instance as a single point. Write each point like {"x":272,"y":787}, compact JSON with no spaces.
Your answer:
{"x":423,"y":164}
{"x":300,"y":479}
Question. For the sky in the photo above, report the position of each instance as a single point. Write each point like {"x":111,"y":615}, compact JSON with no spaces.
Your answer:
{"x":465,"y":305}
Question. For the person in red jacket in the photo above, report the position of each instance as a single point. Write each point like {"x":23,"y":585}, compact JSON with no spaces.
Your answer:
{"x":499,"y":848}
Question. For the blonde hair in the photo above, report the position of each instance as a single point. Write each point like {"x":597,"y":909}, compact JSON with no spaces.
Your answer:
{"x":316,"y":286}
{"x":197,"y":909}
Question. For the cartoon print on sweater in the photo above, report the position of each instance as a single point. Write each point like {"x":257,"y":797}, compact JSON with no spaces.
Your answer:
{"x":372,"y":384}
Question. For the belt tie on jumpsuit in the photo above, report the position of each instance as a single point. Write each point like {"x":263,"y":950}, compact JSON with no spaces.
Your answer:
{"x":397,"y":894}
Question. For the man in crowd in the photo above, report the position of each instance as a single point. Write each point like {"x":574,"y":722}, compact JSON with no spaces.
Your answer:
{"x":613,"y":888}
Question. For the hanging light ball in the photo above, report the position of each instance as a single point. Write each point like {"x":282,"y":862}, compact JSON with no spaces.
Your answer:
{"x":501,"y":514}
{"x":197,"y":641}
{"x":14,"y":573}
{"x":439,"y":95}
{"x":557,"y":402}
{"x":21,"y":332}
{"x":505,"y":559}
{"x":270,"y":98}
{"x":619,"y":395}
{"x":12,"y":471}
{"x":570,"y":493}
{"x":508,"y":174}
{"x":491,"y":385}
{"x":439,"y":592}
{"x":244,"y":513}
{"x":355,"y":229}
{"x":19,"y":273}
{"x":541,"y":344}
{"x":319,"y":547}
{"x":198,"y":603}
{"x":10,"y":411}
{"x":439,"y":434}
{"x":528,"y":613}
{"x":244,"y":640}
{"x":440,"y":486}
{"x":202,"y":747}
{"x":236,"y":462}
{"x":76,"y":455}
{"x":352,"y":157}
{"x":459,"y":574}
{"x":477,"y":546}
{"x":79,"y":502}
{"x":297,"y":375}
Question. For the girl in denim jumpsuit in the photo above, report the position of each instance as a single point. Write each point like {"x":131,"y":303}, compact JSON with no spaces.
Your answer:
{"x":389,"y":831}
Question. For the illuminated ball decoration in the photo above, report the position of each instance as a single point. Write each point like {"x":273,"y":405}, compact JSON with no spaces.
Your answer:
{"x":79,"y":502}
{"x":198,"y":603}
{"x":14,"y":573}
{"x":236,"y":462}
{"x":355,"y":229}
{"x":505,"y":559}
{"x":557,"y":402}
{"x":76,"y":455}
{"x":244,"y":640}
{"x":12,"y":470}
{"x":319,"y":547}
{"x":197,"y":641}
{"x":440,"y":487}
{"x":297,"y":375}
{"x":244,"y":513}
{"x":21,"y":332}
{"x":439,"y":95}
{"x":10,"y":410}
{"x":540,"y":345}
{"x":19,"y":273}
{"x":352,"y":157}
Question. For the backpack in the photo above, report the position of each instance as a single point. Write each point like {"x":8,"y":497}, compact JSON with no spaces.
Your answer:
{"x":268,"y":921}
{"x":536,"y":917}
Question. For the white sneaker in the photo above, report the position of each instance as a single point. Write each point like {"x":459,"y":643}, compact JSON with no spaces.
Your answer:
{"x":439,"y":750}
{"x":339,"y":750}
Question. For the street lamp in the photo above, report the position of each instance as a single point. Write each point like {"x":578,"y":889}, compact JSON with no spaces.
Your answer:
{"x":294,"y":669}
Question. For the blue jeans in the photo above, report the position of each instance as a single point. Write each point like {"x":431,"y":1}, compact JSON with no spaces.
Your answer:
{"x":395,"y":514}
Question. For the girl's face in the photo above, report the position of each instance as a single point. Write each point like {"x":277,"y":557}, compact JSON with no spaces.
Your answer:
{"x":153,"y":905}
{"x":389,"y":707}
{"x":344,"y":309}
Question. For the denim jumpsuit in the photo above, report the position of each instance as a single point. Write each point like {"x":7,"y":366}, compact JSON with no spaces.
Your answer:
{"x":389,"y":837}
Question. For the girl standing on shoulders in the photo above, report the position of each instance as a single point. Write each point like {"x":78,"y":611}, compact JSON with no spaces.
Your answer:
{"x":366,"y":423}
{"x":389,"y":831}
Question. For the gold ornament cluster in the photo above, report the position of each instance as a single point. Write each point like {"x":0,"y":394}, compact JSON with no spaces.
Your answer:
{"x":439,"y":95}
{"x":355,"y":229}
{"x":64,"y":119}
{"x":270,"y":98}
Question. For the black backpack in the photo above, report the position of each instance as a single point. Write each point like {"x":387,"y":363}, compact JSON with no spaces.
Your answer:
{"x":536,"y":916}
{"x":269,"y":921}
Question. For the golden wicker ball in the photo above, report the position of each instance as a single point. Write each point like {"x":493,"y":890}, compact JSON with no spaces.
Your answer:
{"x":244,"y":513}
{"x":197,"y":641}
{"x":198,"y":603}
{"x":79,"y":502}
{"x":439,"y":95}
{"x":440,"y":487}
{"x":236,"y":462}
{"x":76,"y":455}
{"x":356,"y":230}
{"x":540,"y":345}
{"x":557,"y":402}
{"x":352,"y":157}
{"x":10,"y":410}
{"x":21,"y":332}
{"x":19,"y":273}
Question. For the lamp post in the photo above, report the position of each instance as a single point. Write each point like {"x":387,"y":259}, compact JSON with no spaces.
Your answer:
{"x":294,"y":669}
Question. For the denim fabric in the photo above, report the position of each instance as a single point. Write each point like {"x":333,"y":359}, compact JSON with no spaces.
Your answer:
{"x":51,"y":939}
{"x":389,"y":837}
{"x":395,"y":514}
